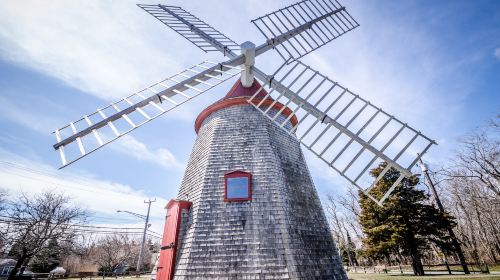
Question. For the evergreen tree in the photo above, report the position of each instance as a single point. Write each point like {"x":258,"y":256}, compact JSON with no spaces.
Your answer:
{"x":405,"y":225}
{"x":48,"y":258}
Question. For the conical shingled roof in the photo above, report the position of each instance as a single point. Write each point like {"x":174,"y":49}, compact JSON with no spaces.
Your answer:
{"x":238,"y":96}
{"x":238,"y":90}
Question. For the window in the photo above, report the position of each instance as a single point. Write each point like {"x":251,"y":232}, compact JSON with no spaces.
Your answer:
{"x":238,"y":186}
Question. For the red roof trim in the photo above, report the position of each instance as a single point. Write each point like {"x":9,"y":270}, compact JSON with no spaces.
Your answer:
{"x":242,"y":101}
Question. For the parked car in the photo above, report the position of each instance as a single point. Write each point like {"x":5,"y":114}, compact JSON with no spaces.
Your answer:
{"x":58,"y":271}
{"x":121,"y":269}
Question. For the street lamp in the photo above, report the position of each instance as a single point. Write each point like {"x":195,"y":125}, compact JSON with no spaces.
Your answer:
{"x":132,"y":213}
{"x":146,"y":225}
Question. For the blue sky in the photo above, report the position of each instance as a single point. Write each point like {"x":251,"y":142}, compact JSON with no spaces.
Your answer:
{"x":434,"y":64}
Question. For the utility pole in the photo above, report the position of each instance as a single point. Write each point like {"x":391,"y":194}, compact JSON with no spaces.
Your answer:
{"x":139,"y":261}
{"x":146,"y":219}
{"x":454,"y":239}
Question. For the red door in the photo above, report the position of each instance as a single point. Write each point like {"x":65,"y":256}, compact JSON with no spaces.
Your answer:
{"x":166,"y":261}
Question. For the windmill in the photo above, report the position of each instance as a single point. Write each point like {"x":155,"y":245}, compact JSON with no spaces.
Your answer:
{"x":347,"y":132}
{"x":293,"y":32}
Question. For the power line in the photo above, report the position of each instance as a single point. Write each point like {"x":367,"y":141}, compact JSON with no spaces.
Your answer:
{"x":110,"y":231}
{"x":51,"y":175}
{"x":80,"y":227}
{"x":10,"y":220}
{"x":154,"y":232}
{"x":39,"y":172}
{"x":32,"y":171}
{"x":20,"y":167}
{"x":122,"y":221}
{"x":111,"y":218}
{"x":57,"y":184}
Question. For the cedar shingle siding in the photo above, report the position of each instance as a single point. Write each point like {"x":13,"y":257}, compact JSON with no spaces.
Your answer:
{"x":281,"y":234}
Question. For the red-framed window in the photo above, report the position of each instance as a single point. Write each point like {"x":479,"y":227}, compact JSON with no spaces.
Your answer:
{"x":237,"y":186}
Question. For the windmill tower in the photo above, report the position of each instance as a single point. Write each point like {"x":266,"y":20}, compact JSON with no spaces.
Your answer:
{"x":254,"y":207}
{"x":247,"y":206}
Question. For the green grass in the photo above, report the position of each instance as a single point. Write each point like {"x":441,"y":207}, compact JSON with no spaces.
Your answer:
{"x":495,"y":267}
{"x":371,"y":276}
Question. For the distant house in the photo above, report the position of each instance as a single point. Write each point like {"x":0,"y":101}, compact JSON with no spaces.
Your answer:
{"x":6,"y":266}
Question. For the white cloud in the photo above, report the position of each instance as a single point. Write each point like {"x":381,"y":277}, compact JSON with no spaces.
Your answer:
{"x":96,"y":46}
{"x":132,"y":147}
{"x":100,"y":197}
{"x":103,"y":48}
{"x":127,"y":145}
{"x":41,"y":123}
{"x":108,"y":49}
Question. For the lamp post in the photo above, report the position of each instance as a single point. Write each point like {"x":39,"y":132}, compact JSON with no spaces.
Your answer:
{"x":146,"y":219}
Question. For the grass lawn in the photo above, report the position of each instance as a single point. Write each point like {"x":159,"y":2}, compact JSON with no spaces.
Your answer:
{"x":371,"y":276}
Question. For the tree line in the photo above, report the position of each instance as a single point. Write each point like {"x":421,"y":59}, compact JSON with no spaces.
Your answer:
{"x":411,"y":229}
{"x":46,"y":230}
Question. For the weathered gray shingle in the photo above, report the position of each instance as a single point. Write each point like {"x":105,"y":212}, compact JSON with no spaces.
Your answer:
{"x":281,"y":234}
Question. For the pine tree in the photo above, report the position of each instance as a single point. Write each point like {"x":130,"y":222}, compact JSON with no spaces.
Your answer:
{"x":405,"y":225}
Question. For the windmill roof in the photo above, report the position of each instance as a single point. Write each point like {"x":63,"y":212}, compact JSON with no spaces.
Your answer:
{"x":239,"y":95}
{"x":238,"y":90}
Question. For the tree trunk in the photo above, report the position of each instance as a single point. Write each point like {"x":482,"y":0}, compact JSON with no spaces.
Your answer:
{"x":473,"y":242}
{"x":484,"y":233}
{"x":416,"y":258}
{"x":356,"y":263}
{"x":351,"y":264}
{"x":497,"y":248}
{"x":388,"y":259}
{"x":416,"y":264}
{"x":14,"y":271}
{"x":447,"y":265}
{"x":456,"y":244}
{"x":496,"y":235}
